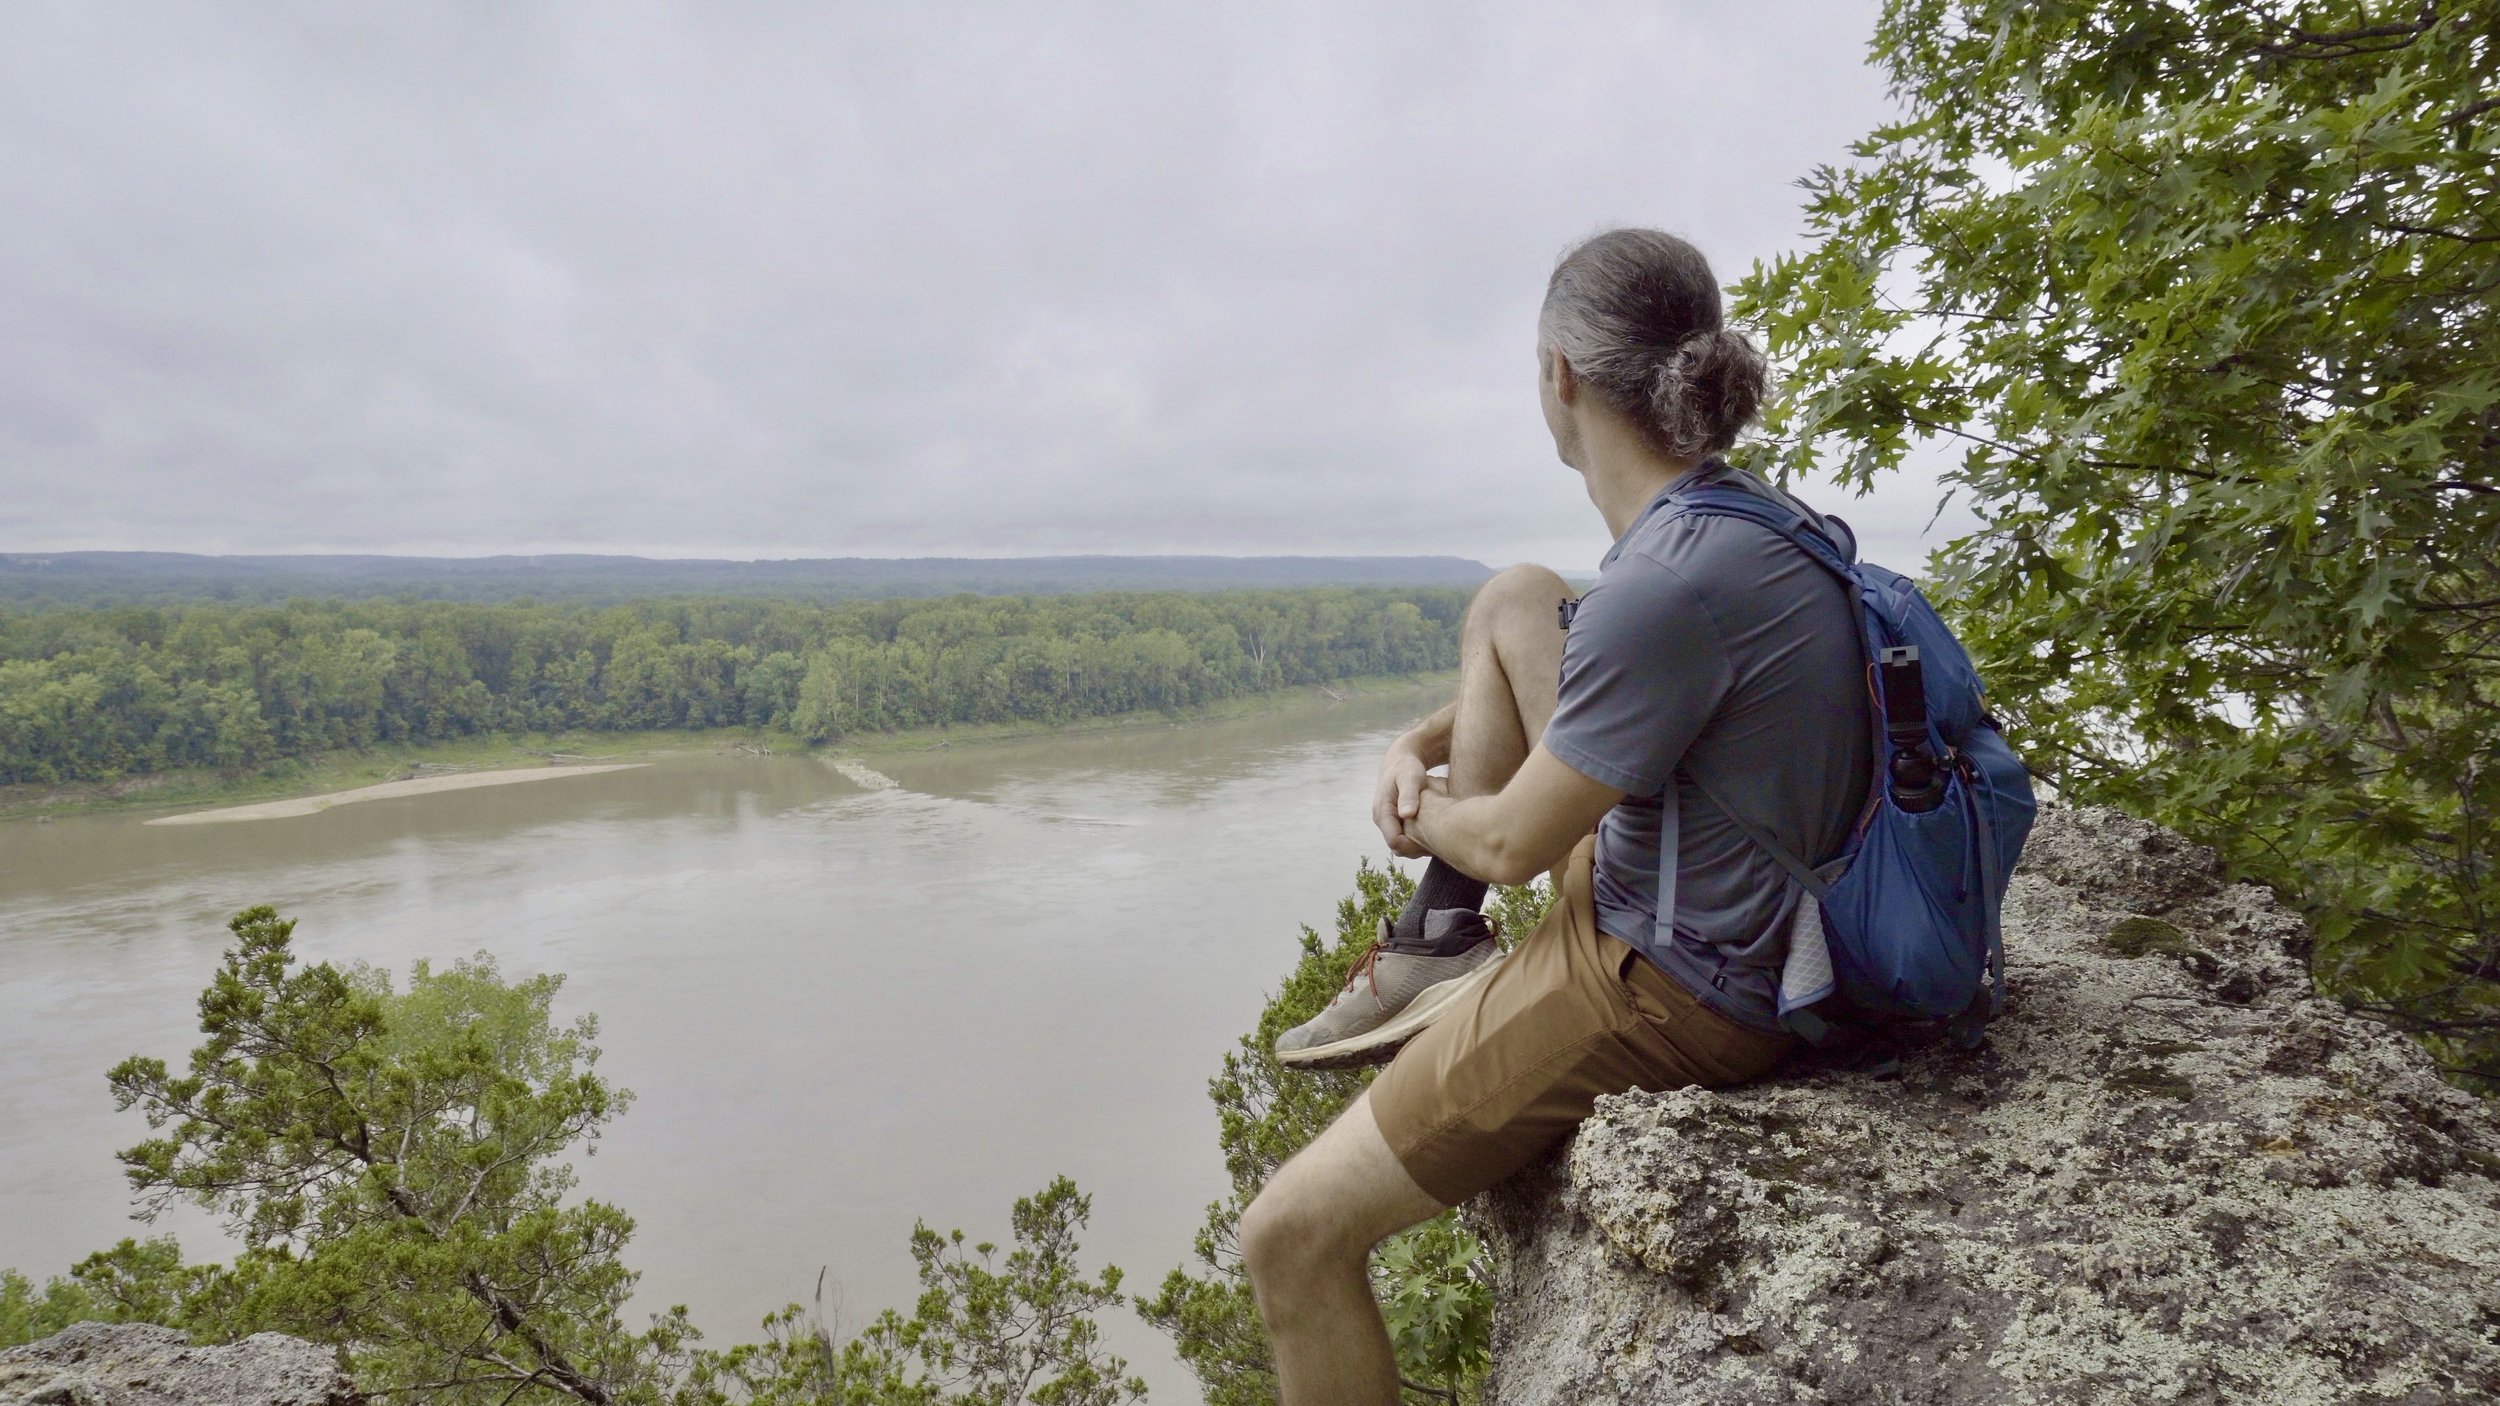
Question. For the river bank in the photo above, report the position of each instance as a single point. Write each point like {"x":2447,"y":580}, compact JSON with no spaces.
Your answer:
{"x":331,"y":773}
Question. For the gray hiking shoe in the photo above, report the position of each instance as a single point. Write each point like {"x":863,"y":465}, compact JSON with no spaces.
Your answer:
{"x":1393,"y":993}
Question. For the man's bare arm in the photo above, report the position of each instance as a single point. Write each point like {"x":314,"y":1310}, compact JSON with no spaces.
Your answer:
{"x":1518,"y":832}
{"x":1401,"y":785}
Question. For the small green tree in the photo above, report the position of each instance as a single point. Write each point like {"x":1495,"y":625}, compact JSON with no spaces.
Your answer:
{"x":28,"y":1313}
{"x":817,"y":715}
{"x":392,"y":1166}
{"x":984,"y":1333}
{"x":2206,"y":293}
{"x":1429,"y":1280}
{"x":136,"y":1281}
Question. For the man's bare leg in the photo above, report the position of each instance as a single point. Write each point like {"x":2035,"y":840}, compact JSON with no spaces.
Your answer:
{"x":1509,"y":665}
{"x":1307,"y":1243}
{"x":1307,"y":1238}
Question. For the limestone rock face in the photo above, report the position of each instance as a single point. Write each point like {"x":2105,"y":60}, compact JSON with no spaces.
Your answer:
{"x":141,"y":1364}
{"x":2172,"y":1175}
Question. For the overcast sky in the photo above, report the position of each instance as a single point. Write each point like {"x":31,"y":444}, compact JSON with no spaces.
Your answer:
{"x":748,"y":280}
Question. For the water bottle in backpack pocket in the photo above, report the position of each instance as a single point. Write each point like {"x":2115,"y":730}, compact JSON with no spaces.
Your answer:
{"x":1913,"y":920}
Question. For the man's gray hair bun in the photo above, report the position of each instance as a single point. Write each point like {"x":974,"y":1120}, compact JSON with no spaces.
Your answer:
{"x":1636,"y":312}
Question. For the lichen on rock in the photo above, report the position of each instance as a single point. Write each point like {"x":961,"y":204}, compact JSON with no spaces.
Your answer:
{"x":141,"y":1364}
{"x":2173,"y":1174}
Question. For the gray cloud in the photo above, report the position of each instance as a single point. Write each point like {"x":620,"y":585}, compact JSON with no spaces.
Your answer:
{"x":861,"y":280}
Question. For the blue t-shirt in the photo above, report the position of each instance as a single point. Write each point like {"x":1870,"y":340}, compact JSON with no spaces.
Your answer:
{"x":1717,"y":646}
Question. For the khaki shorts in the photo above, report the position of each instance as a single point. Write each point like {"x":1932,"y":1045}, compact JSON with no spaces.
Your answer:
{"x":1514,"y":1066}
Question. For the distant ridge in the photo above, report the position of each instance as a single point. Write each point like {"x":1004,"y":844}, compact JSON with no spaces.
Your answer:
{"x":101,"y":578}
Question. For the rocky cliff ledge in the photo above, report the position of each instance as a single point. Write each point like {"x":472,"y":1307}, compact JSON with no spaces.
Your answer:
{"x":140,"y":1364}
{"x":2173,"y":1175}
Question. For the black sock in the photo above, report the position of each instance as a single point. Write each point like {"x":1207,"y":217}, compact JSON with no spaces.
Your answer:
{"x":1443,"y":886}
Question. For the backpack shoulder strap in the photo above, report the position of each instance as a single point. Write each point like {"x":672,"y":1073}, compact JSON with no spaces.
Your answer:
{"x":1815,"y":880}
{"x":1728,"y":492}
{"x":1738,"y":495}
{"x":1806,"y":977}
{"x":1806,"y":973}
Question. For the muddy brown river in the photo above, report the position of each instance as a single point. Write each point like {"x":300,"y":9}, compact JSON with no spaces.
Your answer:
{"x":841,"y":1005}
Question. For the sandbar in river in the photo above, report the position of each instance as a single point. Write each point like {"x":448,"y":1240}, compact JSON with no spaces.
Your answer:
{"x":414,"y":786}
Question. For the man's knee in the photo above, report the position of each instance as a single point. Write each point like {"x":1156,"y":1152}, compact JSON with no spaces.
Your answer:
{"x":1523,"y":593}
{"x":1331,"y":1203}
{"x":1283,"y":1236}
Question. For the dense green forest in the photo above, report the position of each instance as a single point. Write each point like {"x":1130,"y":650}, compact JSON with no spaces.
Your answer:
{"x":91,"y":694}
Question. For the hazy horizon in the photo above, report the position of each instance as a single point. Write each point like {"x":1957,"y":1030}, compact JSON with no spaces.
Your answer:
{"x":8,"y":554}
{"x":41,"y":580}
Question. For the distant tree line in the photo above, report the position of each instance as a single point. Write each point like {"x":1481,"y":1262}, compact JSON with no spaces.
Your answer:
{"x":91,"y":694}
{"x":175,"y":578}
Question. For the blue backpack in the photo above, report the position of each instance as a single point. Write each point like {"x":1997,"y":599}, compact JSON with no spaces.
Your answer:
{"x":1902,"y":923}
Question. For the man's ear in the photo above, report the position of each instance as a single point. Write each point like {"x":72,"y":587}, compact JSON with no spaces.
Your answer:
{"x":1558,"y":370}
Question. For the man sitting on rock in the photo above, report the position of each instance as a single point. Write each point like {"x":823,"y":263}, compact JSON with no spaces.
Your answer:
{"x":1708,"y":646}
